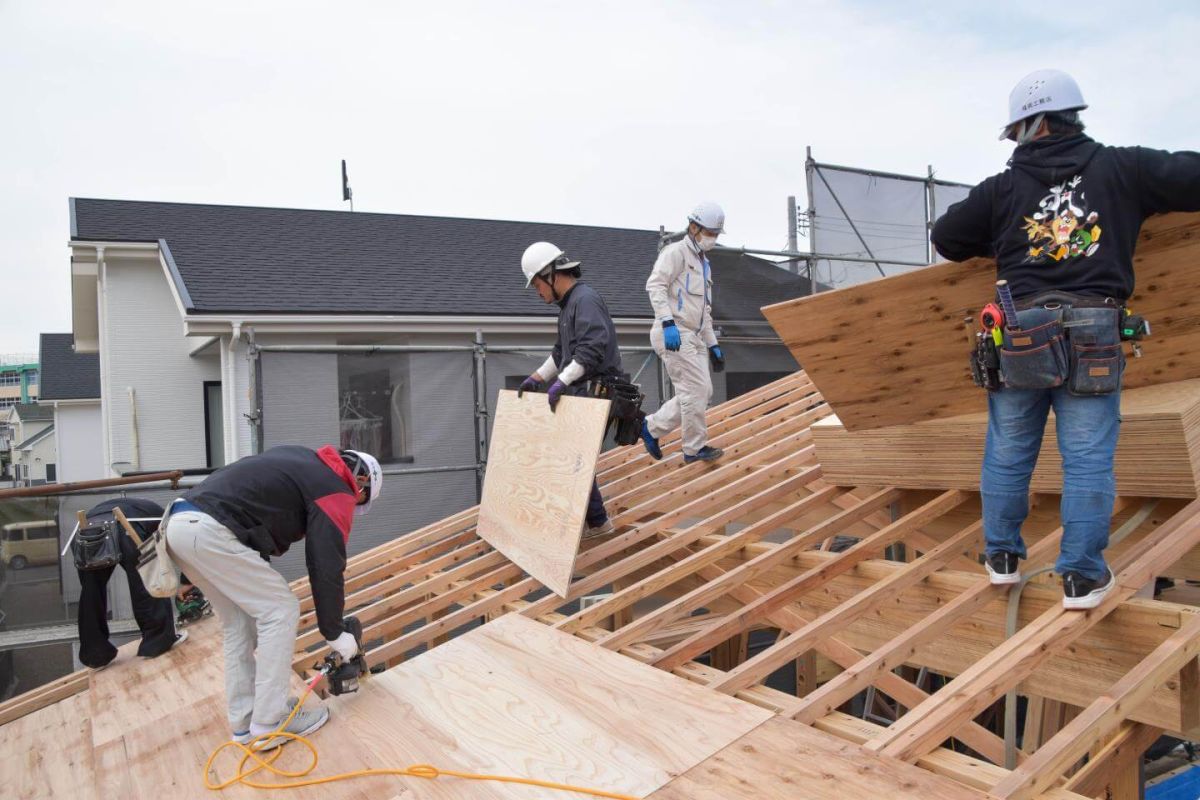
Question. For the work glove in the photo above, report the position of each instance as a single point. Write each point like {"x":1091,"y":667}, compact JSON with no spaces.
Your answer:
{"x":344,"y":645}
{"x":671,"y":336}
{"x":556,"y":391}
{"x":531,"y":384}
{"x":716,"y":358}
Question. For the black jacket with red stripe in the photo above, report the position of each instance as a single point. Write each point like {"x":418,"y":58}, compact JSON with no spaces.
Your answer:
{"x":276,"y":498}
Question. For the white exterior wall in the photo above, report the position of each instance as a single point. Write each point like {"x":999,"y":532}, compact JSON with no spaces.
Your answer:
{"x":35,"y":459}
{"x":143,"y":346}
{"x":80,"y":443}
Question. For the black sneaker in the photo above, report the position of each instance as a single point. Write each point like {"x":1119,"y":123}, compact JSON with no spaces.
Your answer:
{"x":1002,"y":568}
{"x":705,"y":453}
{"x":1083,"y":593}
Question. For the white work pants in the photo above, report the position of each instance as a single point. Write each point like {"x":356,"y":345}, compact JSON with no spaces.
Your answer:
{"x":255,"y":606}
{"x":687,"y":368}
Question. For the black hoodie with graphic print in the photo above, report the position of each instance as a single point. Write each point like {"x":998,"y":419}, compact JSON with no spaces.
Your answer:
{"x":1065,"y":215}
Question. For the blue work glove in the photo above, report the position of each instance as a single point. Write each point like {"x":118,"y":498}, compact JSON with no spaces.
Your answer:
{"x":556,"y":391}
{"x":531,"y":384}
{"x":716,"y":358}
{"x":670,"y":335}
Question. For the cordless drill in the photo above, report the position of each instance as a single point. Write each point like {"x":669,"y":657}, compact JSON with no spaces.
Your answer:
{"x":342,"y":675}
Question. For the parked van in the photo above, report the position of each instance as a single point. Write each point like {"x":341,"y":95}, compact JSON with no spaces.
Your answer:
{"x":26,"y":543}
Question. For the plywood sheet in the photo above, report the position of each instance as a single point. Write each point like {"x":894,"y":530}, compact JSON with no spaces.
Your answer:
{"x":894,"y":351}
{"x":133,"y":692}
{"x":784,"y":760}
{"x":519,"y":698}
{"x":48,"y":754}
{"x":539,"y":473}
{"x":1157,"y":452}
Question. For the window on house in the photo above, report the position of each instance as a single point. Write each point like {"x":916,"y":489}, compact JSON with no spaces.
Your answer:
{"x":374,"y":411}
{"x":738,"y":383}
{"x":51,"y":473}
{"x":214,"y":425}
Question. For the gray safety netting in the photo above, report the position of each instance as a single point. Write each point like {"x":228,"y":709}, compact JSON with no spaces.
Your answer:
{"x":882,"y":218}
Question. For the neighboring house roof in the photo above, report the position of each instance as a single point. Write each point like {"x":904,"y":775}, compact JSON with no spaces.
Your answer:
{"x":32,"y":412}
{"x":67,"y":375}
{"x":37,"y":437}
{"x":286,"y":261}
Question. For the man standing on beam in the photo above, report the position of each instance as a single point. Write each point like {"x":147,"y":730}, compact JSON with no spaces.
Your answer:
{"x":586,"y":349}
{"x":680,"y":289}
{"x":1042,"y":220}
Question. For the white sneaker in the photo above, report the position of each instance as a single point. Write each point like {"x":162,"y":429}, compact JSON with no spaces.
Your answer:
{"x":600,"y":530}
{"x":244,"y":737}
{"x":306,"y":721}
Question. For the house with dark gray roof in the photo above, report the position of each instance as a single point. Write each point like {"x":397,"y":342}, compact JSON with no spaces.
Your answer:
{"x":71,"y":390}
{"x":27,"y":434}
{"x":222,"y":330}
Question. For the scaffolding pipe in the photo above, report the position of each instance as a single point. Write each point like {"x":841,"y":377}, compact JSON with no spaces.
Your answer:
{"x":432,"y":470}
{"x":819,"y":256}
{"x":64,"y":488}
{"x":479,"y":373}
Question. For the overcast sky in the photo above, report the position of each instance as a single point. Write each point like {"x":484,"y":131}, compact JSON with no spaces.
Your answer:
{"x":598,"y":113}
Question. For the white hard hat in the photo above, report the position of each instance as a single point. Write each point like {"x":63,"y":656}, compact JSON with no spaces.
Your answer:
{"x":540,"y":255}
{"x":708,"y":215}
{"x":365,"y":464}
{"x":1039,"y":92}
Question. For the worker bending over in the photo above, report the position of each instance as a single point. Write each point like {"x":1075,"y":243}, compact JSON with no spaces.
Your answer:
{"x":586,"y":349}
{"x":155,"y":616}
{"x":680,"y":289}
{"x":1061,"y":222}
{"x":223,"y":533}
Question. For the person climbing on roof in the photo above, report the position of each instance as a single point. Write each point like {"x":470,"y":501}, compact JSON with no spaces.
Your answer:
{"x":155,"y":616}
{"x":223,"y":533}
{"x":585,"y":351}
{"x":680,"y":289}
{"x":1061,"y":223}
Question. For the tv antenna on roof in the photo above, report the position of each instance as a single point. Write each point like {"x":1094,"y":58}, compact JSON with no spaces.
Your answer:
{"x":347,"y":194}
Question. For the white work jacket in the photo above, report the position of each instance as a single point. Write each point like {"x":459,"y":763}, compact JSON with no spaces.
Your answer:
{"x":680,"y":289}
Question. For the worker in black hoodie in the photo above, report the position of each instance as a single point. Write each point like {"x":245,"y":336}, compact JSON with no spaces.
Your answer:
{"x":1061,"y":223}
{"x":224,"y":531}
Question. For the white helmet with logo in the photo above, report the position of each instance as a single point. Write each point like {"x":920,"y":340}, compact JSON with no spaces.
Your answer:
{"x":540,"y":255}
{"x":367,"y":466}
{"x":708,"y":215}
{"x":1039,"y":92}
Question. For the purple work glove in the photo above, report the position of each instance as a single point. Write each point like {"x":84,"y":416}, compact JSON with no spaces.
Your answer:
{"x":531,"y":384}
{"x":555,"y":392}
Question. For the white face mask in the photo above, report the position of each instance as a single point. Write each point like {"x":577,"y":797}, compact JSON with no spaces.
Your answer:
{"x":706,"y":242}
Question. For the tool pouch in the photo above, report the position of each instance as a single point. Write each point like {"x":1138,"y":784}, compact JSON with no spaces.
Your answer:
{"x":1035,"y":356}
{"x":625,"y":410}
{"x":96,"y":547}
{"x":1096,"y":359}
{"x":155,"y":566}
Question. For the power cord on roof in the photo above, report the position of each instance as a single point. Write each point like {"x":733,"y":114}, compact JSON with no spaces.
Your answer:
{"x":250,"y":753}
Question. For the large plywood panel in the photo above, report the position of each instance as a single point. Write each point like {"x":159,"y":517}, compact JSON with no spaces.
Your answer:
{"x":784,"y":760}
{"x":516,"y":697}
{"x":1156,"y":455}
{"x":894,"y":351}
{"x":48,"y":754}
{"x":539,"y":473}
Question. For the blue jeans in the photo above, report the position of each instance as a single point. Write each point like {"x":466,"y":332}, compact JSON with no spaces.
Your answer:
{"x":1087,"y":429}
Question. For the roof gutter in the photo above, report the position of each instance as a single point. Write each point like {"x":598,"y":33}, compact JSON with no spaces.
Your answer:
{"x":216,"y":324}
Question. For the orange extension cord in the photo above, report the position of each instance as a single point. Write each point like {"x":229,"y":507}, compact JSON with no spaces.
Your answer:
{"x":427,"y":771}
